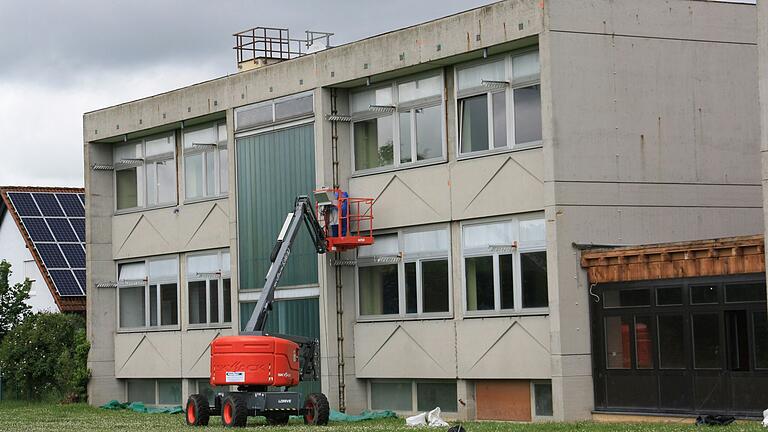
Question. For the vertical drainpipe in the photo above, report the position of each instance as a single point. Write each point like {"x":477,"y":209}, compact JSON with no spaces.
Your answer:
{"x":337,"y":257}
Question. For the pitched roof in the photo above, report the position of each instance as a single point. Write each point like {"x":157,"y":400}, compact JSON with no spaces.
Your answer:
{"x":55,"y":255}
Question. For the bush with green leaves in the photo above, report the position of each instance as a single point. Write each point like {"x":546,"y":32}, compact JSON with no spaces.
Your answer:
{"x":13,"y":308}
{"x":45,"y":358}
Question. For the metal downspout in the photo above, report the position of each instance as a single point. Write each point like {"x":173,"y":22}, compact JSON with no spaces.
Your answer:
{"x":337,"y":257}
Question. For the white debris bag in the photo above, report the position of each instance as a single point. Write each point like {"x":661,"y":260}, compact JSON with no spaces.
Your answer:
{"x":417,"y":420}
{"x":765,"y":418}
{"x":431,"y":419}
{"x":434,"y":419}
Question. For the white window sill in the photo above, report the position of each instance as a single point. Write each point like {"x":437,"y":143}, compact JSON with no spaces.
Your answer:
{"x":391,"y":318}
{"x":506,"y":314}
{"x":149,"y":329}
{"x":191,"y":327}
{"x":143,"y":209}
{"x":386,"y":169}
{"x":483,"y":153}
{"x":205,"y":199}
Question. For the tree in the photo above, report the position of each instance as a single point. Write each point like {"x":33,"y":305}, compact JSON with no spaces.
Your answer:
{"x":13,"y":308}
{"x":45,"y":358}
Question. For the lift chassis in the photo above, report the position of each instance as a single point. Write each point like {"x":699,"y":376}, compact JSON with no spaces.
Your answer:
{"x":258,"y":363}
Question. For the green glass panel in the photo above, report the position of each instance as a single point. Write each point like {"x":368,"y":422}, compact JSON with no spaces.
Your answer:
{"x":272,"y":169}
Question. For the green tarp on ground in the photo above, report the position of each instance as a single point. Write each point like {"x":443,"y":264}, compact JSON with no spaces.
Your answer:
{"x":365,"y":415}
{"x":139,"y":407}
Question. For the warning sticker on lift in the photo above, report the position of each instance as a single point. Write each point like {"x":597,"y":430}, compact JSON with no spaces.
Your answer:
{"x":235,"y":377}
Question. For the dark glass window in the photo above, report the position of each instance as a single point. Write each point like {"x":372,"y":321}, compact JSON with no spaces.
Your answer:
{"x":627,"y":298}
{"x":506,"y":278}
{"x":617,"y":344}
{"x":667,"y":296}
{"x":706,"y":341}
{"x":760,"y":323}
{"x":704,"y":294}
{"x":479,"y":275}
{"x":542,"y":394}
{"x":745,"y":292}
{"x":533,"y":267}
{"x":671,"y":342}
{"x":643,"y":342}
{"x":410,"y":288}
{"x":434,"y":283}
{"x":378,"y":290}
{"x":431,"y":395}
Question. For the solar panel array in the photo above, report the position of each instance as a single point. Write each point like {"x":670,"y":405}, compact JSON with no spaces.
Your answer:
{"x":55,"y":223}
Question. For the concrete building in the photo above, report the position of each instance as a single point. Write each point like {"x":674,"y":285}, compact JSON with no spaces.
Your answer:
{"x":493,"y":141}
{"x":43,"y":240}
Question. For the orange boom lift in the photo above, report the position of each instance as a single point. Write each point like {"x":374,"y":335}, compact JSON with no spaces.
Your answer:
{"x":265,"y":366}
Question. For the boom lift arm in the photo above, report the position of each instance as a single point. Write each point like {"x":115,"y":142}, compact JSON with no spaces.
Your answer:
{"x":303,"y":212}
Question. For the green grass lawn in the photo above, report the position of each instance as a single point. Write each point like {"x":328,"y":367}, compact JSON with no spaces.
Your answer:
{"x":18,"y":416}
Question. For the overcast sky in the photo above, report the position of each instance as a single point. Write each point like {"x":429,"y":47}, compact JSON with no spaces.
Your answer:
{"x":61,"y":58}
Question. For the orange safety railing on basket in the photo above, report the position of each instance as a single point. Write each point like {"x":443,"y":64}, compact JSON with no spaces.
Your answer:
{"x":347,"y":222}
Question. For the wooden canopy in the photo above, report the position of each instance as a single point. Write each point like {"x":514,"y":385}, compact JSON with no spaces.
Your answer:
{"x":716,"y":257}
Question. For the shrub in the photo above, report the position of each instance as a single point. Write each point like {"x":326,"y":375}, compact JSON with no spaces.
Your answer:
{"x":45,"y":358}
{"x":13,"y":308}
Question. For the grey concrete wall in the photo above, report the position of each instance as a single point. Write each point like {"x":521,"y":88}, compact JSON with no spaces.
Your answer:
{"x":650,"y":134}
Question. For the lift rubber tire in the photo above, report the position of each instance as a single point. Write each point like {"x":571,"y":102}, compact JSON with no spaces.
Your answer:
{"x":278,"y":419}
{"x":234,"y":412}
{"x":198,"y":411}
{"x":316,"y":410}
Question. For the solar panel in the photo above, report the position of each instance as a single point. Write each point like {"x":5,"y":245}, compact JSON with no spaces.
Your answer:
{"x":66,"y":283}
{"x":37,"y":229}
{"x":55,"y":222}
{"x":71,"y":205}
{"x":80,"y":276}
{"x":74,"y":254}
{"x":24,"y":204}
{"x":51,"y":255}
{"x":61,"y":230}
{"x":79,"y":226}
{"x":48,"y":204}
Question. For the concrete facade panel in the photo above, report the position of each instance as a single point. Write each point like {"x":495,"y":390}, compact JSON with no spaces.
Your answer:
{"x":196,"y":352}
{"x":405,"y":349}
{"x":697,"y":20}
{"x":514,"y":347}
{"x":659,"y":110}
{"x":148,"y":355}
{"x":171,"y":230}
{"x":423,"y":192}
{"x":503,"y":184}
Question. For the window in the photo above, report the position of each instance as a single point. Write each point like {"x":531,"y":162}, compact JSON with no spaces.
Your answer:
{"x":499,"y":103}
{"x":145,"y":173}
{"x":671,"y":329}
{"x":206,"y":164}
{"x":542,"y":399}
{"x":154,"y":392}
{"x":148,"y":293}
{"x":204,"y":388}
{"x":706,"y":341}
{"x":281,"y":110}
{"x":405,"y":274}
{"x":413,"y":396}
{"x":209,"y":288}
{"x":505,"y":266}
{"x":398,"y":124}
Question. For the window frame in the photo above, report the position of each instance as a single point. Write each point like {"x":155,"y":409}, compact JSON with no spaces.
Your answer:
{"x":274,"y":123}
{"x":517,"y":249}
{"x":410,"y":106}
{"x":206,"y":153}
{"x":459,"y":95}
{"x":534,"y":415}
{"x":143,"y":184}
{"x":403,"y":259}
{"x":222,"y":275}
{"x":148,"y":283}
{"x":414,"y":391}
{"x":156,"y":382}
